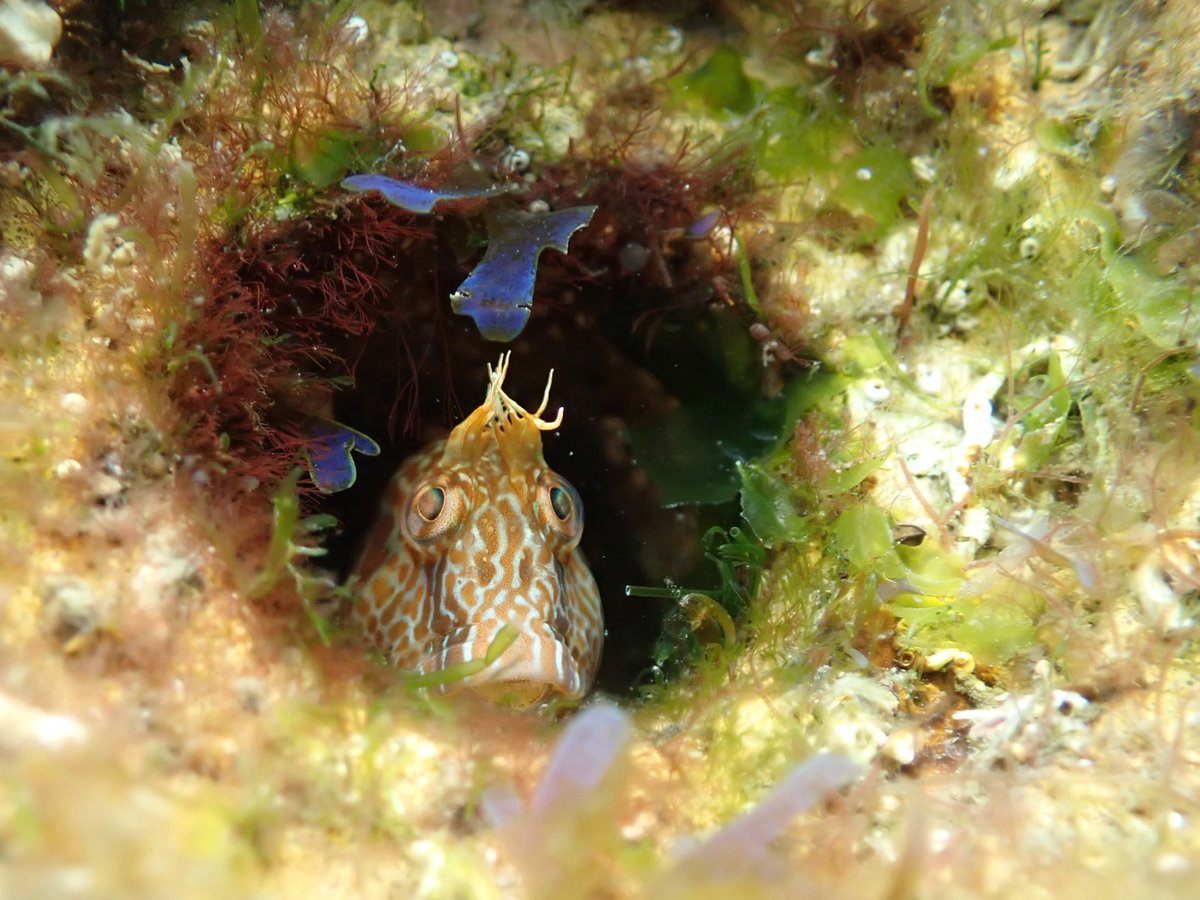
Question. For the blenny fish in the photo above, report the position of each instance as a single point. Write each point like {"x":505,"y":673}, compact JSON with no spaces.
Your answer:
{"x":475,"y":533}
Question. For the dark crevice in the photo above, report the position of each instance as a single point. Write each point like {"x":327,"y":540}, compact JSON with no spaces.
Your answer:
{"x":359,"y":291}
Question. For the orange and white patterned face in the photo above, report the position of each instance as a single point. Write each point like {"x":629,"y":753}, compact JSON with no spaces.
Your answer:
{"x":477,"y":532}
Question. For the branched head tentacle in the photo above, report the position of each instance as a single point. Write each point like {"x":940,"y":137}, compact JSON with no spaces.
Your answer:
{"x":507,"y":409}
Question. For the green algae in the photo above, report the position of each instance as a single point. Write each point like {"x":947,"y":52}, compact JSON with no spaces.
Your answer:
{"x":720,"y":83}
{"x":294,"y":538}
{"x":701,"y":626}
{"x":994,"y":629}
{"x":769,"y":506}
{"x":862,"y":533}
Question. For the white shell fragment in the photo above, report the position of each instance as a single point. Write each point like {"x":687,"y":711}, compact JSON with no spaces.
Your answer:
{"x":29,"y":30}
{"x":875,"y":390}
{"x":23,"y":726}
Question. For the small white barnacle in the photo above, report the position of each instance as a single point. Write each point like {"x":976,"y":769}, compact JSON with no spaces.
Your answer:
{"x":875,"y":390}
{"x":954,"y":296}
{"x":978,"y":427}
{"x":639,"y":65}
{"x":356,"y":29}
{"x":924,"y":167}
{"x":929,"y":378}
{"x":514,"y":159}
{"x":824,"y":54}
{"x":670,"y":42}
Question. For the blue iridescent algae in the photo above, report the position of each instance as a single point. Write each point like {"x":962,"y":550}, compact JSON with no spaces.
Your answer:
{"x":418,"y":199}
{"x":330,"y":464}
{"x":498,"y":294}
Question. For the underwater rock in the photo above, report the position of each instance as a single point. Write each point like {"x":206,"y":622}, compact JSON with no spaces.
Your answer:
{"x":570,"y":790}
{"x":1025,"y":692}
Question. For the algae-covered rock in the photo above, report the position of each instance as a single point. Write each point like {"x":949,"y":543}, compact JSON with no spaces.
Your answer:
{"x":878,"y":350}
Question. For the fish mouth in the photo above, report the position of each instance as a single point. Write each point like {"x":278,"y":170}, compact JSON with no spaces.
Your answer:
{"x":537,"y":664}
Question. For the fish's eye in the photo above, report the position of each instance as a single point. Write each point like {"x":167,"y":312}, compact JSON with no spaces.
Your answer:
{"x":429,"y":502}
{"x":434,"y":509}
{"x":560,"y":502}
{"x":560,"y":509}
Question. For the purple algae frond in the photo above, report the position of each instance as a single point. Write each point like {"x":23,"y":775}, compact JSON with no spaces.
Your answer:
{"x":330,"y":463}
{"x":744,"y":840}
{"x":419,"y":199}
{"x":498,"y":294}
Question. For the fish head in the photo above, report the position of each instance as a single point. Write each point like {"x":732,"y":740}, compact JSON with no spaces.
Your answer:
{"x":498,"y":530}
